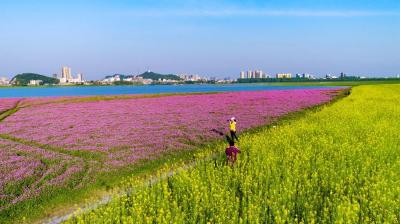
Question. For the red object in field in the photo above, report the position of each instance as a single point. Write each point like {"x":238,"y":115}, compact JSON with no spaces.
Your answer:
{"x":231,"y":153}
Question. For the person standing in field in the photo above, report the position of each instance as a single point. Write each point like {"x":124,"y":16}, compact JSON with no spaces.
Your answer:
{"x":232,"y":128}
{"x":231,"y":153}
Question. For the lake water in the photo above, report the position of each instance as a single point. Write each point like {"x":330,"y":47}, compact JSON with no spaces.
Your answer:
{"x":149,"y":89}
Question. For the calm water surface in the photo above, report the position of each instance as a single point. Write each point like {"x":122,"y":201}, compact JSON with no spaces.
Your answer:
{"x":117,"y":90}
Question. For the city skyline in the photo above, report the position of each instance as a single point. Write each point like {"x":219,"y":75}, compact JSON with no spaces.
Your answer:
{"x":208,"y":38}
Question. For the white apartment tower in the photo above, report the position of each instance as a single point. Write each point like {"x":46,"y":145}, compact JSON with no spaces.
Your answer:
{"x":249,"y":74}
{"x":66,"y":73}
{"x":258,"y":74}
{"x":80,"y":77}
{"x":242,"y":75}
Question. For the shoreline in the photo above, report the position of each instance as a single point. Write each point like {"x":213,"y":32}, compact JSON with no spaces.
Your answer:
{"x":271,"y":83}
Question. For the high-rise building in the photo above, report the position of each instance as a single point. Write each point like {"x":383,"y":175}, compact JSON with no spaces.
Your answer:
{"x":242,"y":75}
{"x":80,"y":77}
{"x":66,"y":73}
{"x":249,"y":74}
{"x":258,"y":74}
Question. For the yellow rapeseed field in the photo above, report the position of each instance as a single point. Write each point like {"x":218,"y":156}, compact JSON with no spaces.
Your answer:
{"x":338,"y":165}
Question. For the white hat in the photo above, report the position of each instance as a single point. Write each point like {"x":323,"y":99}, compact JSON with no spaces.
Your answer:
{"x":232,"y":118}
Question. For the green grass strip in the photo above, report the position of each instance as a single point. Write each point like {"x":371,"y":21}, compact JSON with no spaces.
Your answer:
{"x":87,"y":155}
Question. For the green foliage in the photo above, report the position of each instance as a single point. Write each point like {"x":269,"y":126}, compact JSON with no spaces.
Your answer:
{"x":156,"y":76}
{"x":340,"y":164}
{"x":25,"y":78}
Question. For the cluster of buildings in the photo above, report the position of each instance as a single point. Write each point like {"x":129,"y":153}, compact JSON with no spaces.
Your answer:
{"x":168,"y":81}
{"x":140,"y":80}
{"x":4,"y":81}
{"x":67,"y":78}
{"x":122,"y":78}
{"x":212,"y":79}
{"x":305,"y":76}
{"x":259,"y":74}
{"x":35,"y":82}
{"x":191,"y":78}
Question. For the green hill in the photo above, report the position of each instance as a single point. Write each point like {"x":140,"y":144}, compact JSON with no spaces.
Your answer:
{"x":157,"y":76}
{"x":24,"y":79}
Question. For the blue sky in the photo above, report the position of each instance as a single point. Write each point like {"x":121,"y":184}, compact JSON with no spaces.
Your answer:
{"x":212,"y":38}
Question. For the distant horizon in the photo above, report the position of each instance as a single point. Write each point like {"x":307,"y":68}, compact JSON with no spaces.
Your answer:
{"x":209,"y":38}
{"x":232,"y":77}
{"x":211,"y":76}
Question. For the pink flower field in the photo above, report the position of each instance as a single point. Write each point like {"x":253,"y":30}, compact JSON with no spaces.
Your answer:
{"x":26,"y":171}
{"x":50,"y":144}
{"x":6,"y":104}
